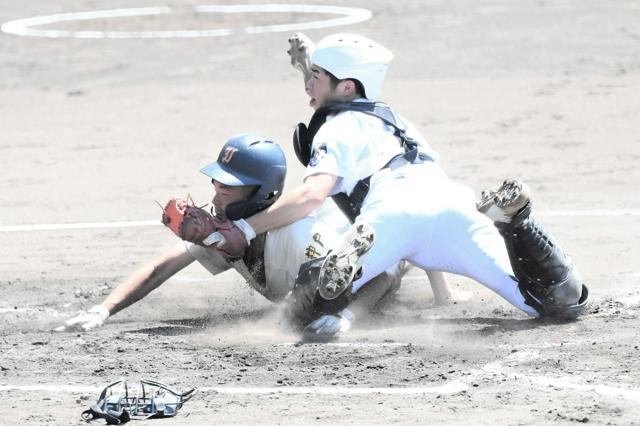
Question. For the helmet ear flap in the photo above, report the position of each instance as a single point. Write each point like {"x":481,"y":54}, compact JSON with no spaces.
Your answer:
{"x":302,"y":144}
{"x":238,"y":210}
{"x":243,"y":209}
{"x":257,"y":202}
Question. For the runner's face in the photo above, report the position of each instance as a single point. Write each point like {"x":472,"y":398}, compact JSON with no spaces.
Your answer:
{"x":226,"y":195}
{"x":319,"y":88}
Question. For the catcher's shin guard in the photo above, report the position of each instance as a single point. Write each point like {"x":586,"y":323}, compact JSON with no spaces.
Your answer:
{"x":546,"y":275}
{"x":343,"y":265}
{"x":304,"y":304}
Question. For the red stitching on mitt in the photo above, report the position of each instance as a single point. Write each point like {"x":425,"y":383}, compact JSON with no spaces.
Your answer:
{"x":187,"y":221}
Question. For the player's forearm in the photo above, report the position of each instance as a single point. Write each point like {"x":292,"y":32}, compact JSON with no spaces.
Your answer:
{"x":290,"y":208}
{"x":146,"y":279}
{"x":294,"y":205}
{"x":136,"y":287}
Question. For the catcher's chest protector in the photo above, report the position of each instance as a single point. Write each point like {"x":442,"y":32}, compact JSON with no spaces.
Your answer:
{"x":303,"y":136}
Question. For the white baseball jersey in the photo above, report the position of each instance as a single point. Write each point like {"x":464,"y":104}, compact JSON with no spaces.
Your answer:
{"x":285,"y":250}
{"x":417,"y":212}
{"x":359,"y":145}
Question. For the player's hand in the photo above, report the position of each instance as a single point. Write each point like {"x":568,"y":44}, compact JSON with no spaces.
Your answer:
{"x":230,"y":238}
{"x":328,"y":326}
{"x":86,"y":320}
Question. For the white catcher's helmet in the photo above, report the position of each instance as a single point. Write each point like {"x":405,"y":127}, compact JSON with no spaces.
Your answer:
{"x":354,"y":56}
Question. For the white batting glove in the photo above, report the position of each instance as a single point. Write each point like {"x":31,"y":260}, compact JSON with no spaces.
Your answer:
{"x":87,"y":320}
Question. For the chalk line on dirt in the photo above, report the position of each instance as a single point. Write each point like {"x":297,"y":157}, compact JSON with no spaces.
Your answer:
{"x":449,"y":388}
{"x":577,"y":213}
{"x":143,"y":223}
{"x":347,"y":16}
{"x":81,"y":225}
{"x":558,"y":382}
{"x":453,"y":387}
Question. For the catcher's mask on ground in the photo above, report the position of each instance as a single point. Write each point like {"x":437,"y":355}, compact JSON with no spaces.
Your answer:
{"x":250,"y":160}
{"x":121,"y":401}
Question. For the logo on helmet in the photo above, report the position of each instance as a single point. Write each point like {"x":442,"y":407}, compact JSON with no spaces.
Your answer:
{"x":228,"y":154}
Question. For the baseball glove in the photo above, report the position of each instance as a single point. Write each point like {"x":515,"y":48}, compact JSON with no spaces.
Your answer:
{"x":187,"y":221}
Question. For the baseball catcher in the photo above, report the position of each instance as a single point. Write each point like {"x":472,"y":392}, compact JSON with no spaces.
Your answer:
{"x":386,"y":178}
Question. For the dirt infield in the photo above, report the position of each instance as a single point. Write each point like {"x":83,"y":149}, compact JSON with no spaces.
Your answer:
{"x":93,"y":131}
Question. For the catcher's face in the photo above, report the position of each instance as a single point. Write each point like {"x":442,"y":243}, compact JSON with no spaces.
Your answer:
{"x":321,"y":90}
{"x":226,"y":195}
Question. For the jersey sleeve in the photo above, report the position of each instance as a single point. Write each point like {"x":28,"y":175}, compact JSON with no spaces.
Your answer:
{"x":340,"y":149}
{"x":212,"y":260}
{"x":331,"y":155}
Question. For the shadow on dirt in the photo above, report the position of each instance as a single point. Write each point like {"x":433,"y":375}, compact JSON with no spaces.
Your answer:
{"x":466,"y":326}
{"x":463,"y":326}
{"x":177,"y":327}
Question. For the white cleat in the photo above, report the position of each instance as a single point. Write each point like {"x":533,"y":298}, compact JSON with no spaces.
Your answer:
{"x":343,"y":264}
{"x":503,"y":203}
{"x":300,"y":52}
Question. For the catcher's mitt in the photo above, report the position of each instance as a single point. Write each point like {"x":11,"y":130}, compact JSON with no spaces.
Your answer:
{"x":187,"y":221}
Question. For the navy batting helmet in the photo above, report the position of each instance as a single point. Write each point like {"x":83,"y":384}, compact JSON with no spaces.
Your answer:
{"x":248,"y":159}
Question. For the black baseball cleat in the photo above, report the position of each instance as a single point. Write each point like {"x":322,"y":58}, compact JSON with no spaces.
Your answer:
{"x":343,"y":264}
{"x":503,"y":203}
